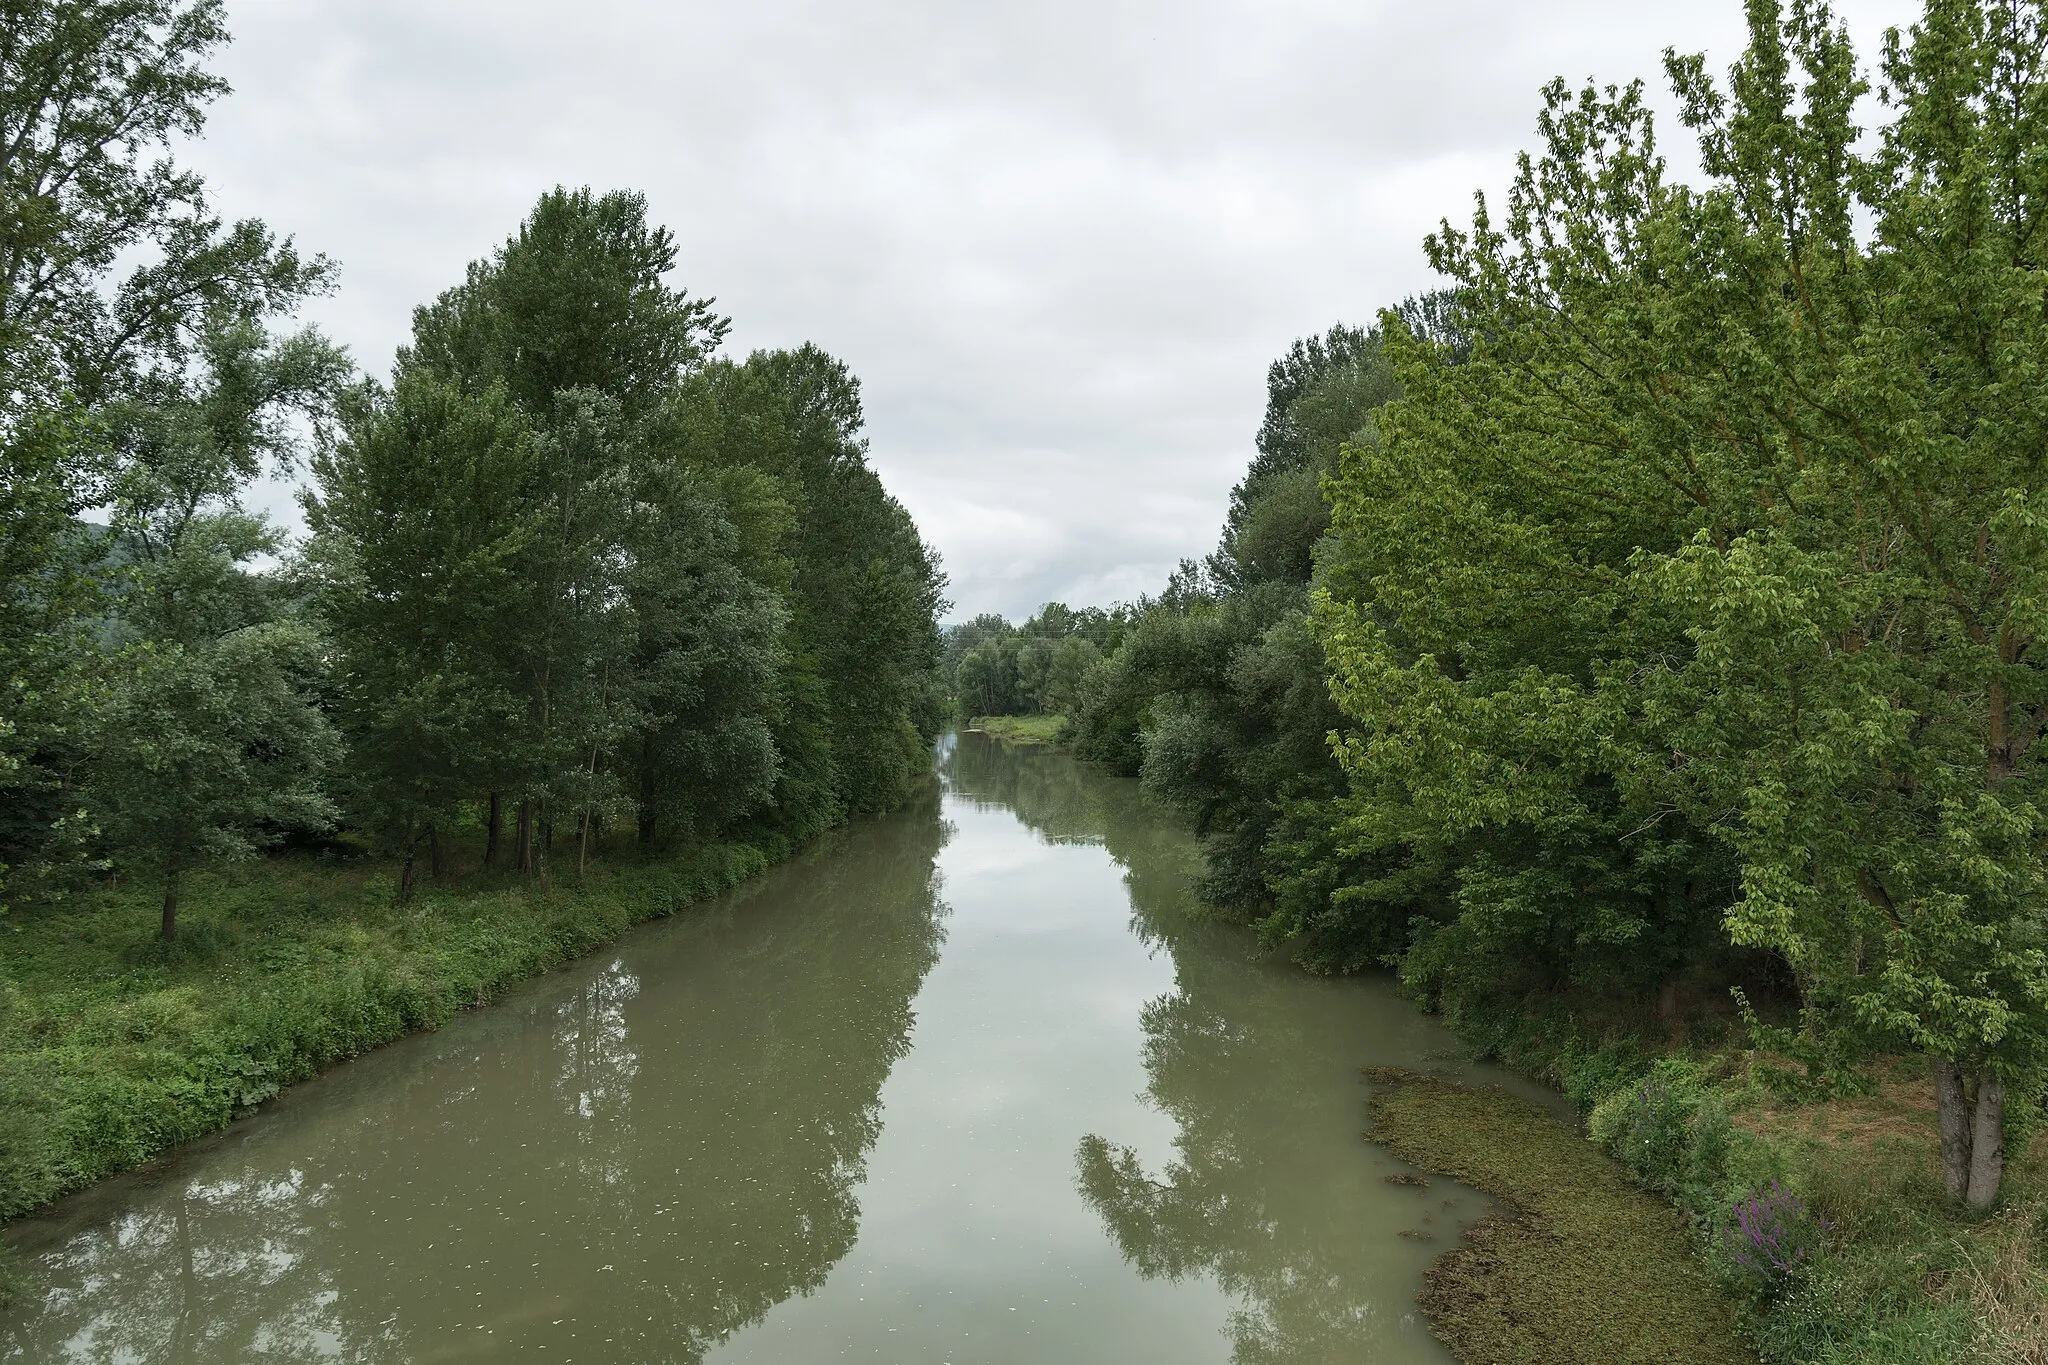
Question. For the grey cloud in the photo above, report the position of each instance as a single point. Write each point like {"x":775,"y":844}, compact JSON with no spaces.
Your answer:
{"x":1058,"y":241}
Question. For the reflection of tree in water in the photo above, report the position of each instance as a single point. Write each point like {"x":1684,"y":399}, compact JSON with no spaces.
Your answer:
{"x":1067,"y":802}
{"x":1053,"y":795}
{"x":1242,"y":1055}
{"x":1241,"y":1200}
{"x":651,"y":1160}
{"x":212,"y":1270}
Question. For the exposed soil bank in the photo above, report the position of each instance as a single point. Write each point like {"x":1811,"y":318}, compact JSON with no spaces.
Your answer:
{"x":1585,"y":1268}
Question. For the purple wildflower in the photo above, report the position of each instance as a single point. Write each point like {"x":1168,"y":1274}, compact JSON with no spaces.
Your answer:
{"x":1773,"y":1234}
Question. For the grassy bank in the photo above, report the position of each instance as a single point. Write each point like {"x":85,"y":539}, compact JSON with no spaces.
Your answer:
{"x":1873,"y":1265}
{"x":115,"y":1047}
{"x":1584,"y":1269}
{"x":1021,"y":729}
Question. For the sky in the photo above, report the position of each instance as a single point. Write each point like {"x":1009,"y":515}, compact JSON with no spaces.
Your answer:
{"x":1059,"y":242}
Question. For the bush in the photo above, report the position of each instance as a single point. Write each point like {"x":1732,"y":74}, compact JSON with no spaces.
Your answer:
{"x":1768,"y":1238}
{"x":1672,"y":1131}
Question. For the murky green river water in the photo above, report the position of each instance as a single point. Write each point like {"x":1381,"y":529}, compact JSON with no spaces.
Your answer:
{"x":973,"y":1084}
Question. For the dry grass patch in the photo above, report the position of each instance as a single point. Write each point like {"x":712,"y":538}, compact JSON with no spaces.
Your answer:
{"x":2008,"y":1284}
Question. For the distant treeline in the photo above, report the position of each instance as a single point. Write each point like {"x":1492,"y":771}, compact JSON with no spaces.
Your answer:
{"x":1659,"y":609}
{"x":1036,"y":669}
{"x":570,"y":575}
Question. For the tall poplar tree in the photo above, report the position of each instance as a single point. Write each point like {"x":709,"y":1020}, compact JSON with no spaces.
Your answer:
{"x":1727,"y":531}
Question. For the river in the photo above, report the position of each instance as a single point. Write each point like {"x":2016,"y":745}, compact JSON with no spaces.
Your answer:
{"x":974,"y":1082}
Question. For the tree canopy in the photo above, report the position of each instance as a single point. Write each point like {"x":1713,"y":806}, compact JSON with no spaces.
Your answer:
{"x":1676,"y":578}
{"x":566,"y":565}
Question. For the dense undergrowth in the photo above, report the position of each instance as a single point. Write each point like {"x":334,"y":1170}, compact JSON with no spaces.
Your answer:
{"x":1822,"y":1210}
{"x":115,"y":1046}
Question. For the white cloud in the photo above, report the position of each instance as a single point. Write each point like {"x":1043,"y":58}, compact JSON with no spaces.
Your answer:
{"x":1058,"y":241}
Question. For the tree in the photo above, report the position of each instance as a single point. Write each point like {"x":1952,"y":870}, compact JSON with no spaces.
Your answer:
{"x":576,"y":299}
{"x":1725,"y":534}
{"x":48,"y":475}
{"x":709,"y":645}
{"x":90,"y":91}
{"x":92,"y":94}
{"x":213,"y":741}
{"x":986,"y":679}
{"x":418,"y":536}
{"x":184,"y":457}
{"x":860,"y":692}
{"x":207,"y":754}
{"x":1217,"y":697}
{"x":581,"y":590}
{"x":572,"y":324}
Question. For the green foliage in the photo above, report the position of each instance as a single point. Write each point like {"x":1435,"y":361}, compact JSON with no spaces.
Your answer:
{"x":574,"y":300}
{"x":1216,"y":692}
{"x":569,"y":557}
{"x":417,"y":536}
{"x":209,"y":741}
{"x":92,"y":93}
{"x":1672,"y":1131}
{"x":1037,"y":669}
{"x":860,"y":696}
{"x":96,"y":366}
{"x":209,"y":752}
{"x":1700,"y":587}
{"x":563,"y":557}
{"x":48,"y":595}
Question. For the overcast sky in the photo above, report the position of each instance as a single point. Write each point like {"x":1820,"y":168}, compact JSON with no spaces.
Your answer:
{"x":1058,"y":241}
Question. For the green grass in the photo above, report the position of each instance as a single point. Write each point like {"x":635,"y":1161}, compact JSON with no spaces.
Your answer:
{"x":1021,"y":729}
{"x":1585,"y":1268}
{"x":115,"y":1047}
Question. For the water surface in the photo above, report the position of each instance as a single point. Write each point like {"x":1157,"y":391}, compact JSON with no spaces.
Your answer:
{"x":975,"y":1082}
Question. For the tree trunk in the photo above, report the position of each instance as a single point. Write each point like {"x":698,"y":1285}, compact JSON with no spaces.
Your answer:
{"x":172,"y":874}
{"x":1953,"y":1106}
{"x":583,"y":848}
{"x":543,"y":842}
{"x":405,"y":874}
{"x":434,"y":852}
{"x":1987,"y":1143}
{"x":523,"y":838}
{"x":493,"y":821}
{"x":650,"y":807}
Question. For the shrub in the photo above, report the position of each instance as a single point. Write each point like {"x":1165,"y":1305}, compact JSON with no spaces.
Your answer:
{"x":1769,"y":1237}
{"x":1672,"y":1131}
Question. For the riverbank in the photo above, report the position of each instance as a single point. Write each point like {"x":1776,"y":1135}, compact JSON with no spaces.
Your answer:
{"x":1820,"y":1218}
{"x":1021,"y":729}
{"x":115,"y":1047}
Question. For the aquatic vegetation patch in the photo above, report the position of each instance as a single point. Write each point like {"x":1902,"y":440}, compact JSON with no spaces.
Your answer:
{"x":1585,"y":1269}
{"x":1892,"y":1273}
